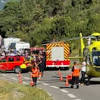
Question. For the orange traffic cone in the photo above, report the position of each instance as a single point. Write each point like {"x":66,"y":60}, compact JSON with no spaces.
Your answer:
{"x":60,"y":75}
{"x":20,"y":78}
{"x":61,"y":78}
{"x":67,"y":83}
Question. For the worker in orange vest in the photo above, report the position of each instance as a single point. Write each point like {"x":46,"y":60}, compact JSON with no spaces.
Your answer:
{"x":75,"y":75}
{"x":35,"y":73}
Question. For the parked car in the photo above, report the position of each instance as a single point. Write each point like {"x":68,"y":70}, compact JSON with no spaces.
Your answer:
{"x":12,"y":63}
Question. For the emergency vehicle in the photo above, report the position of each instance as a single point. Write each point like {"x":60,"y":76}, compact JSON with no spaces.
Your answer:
{"x":12,"y":63}
{"x":57,"y":54}
{"x":37,"y":49}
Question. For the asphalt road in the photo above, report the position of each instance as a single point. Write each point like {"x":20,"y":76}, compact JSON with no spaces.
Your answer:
{"x":57,"y":89}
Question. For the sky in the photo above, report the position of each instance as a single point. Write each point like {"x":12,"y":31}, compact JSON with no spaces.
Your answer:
{"x":2,"y":3}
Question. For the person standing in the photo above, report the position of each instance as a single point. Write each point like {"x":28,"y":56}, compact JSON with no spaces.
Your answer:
{"x":75,"y":75}
{"x":41,"y":64}
{"x":35,"y":73}
{"x":83,"y":72}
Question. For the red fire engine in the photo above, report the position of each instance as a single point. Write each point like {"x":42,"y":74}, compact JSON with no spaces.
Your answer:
{"x":57,"y":54}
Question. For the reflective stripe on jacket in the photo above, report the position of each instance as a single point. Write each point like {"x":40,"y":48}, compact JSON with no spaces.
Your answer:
{"x":35,"y":72}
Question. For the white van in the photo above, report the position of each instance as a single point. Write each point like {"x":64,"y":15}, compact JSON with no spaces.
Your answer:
{"x":20,"y":46}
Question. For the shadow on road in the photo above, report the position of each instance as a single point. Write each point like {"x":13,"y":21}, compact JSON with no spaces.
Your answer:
{"x":51,"y":81}
{"x":63,"y":87}
{"x":55,"y":69}
{"x":94,"y":82}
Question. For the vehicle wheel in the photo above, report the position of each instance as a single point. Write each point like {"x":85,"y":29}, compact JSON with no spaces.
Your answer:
{"x":88,"y":81}
{"x":17,"y":69}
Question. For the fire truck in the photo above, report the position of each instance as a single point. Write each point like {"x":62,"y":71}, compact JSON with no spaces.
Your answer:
{"x":57,"y":54}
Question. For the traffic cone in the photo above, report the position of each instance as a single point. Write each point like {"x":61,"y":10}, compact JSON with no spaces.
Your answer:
{"x":61,"y":78}
{"x":20,"y":78}
{"x":66,"y":83}
{"x":60,"y":75}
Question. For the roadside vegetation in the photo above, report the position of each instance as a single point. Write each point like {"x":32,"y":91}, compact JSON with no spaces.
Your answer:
{"x":13,"y":91}
{"x":41,"y":21}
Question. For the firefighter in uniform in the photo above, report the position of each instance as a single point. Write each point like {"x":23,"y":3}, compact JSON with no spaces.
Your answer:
{"x":35,"y":74}
{"x":75,"y":75}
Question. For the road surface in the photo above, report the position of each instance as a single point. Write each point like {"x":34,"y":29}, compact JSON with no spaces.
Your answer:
{"x":57,"y":89}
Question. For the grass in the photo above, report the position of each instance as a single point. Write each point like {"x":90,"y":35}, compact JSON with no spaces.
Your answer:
{"x":13,"y":91}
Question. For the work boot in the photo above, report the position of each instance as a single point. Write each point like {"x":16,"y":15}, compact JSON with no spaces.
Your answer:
{"x":77,"y":86}
{"x":71,"y":86}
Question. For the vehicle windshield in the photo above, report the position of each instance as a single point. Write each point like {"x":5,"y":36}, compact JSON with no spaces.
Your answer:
{"x":95,"y":38}
{"x":96,"y":58}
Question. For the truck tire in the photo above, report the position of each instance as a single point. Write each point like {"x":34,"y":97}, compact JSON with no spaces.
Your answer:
{"x":17,"y":69}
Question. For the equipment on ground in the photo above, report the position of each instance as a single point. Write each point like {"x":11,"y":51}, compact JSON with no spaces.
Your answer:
{"x":57,"y":54}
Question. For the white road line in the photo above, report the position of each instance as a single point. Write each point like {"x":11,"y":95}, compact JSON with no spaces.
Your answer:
{"x":39,"y":88}
{"x":26,"y":78}
{"x":49,"y":94}
{"x":54,"y":87}
{"x":4,"y":74}
{"x":13,"y":78}
{"x":45,"y":84}
{"x":77,"y":99}
{"x":65,"y":91}
{"x":71,"y":95}
{"x":25,"y":83}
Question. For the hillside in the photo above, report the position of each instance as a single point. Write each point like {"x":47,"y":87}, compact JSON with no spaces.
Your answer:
{"x":41,"y":21}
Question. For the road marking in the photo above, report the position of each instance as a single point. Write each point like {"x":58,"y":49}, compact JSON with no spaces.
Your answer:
{"x":13,"y":78}
{"x":55,"y":87}
{"x":45,"y":84}
{"x":49,"y":94}
{"x":65,"y":91}
{"x":39,"y":88}
{"x":25,"y":83}
{"x":71,"y":95}
{"x":77,"y":99}
{"x":4,"y":74}
{"x":27,"y":78}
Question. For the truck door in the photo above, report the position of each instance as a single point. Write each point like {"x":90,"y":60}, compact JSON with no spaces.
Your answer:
{"x":3,"y":64}
{"x":10,"y":63}
{"x":57,"y":53}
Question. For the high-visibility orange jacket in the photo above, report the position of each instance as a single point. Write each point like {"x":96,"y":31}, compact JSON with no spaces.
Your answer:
{"x":76,"y":72}
{"x":35,"y":72}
